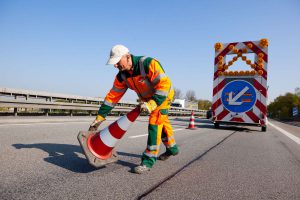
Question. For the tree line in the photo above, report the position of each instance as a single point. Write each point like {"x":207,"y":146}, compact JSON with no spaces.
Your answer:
{"x":282,"y":107}
{"x":190,"y":95}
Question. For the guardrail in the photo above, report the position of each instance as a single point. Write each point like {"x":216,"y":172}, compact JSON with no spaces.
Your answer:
{"x":24,"y":100}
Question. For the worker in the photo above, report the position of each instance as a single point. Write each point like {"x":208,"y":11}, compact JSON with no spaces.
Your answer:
{"x":147,"y":78}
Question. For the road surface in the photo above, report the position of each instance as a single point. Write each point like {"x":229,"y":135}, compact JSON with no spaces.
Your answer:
{"x":42,"y":159}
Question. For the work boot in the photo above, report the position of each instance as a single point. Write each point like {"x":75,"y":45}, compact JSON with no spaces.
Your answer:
{"x":141,"y":169}
{"x":166,"y":155}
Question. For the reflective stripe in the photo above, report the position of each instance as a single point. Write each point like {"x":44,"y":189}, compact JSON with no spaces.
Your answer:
{"x":171,"y":87}
{"x":171,"y":145}
{"x":107,"y":138}
{"x":161,"y":92}
{"x":152,"y":147}
{"x":124,"y":79}
{"x":146,"y":80}
{"x":109,"y":104}
{"x":166,"y":139}
{"x":119,"y":90}
{"x":144,"y":94}
{"x":150,"y":155}
{"x":158,"y":77}
{"x":170,"y":138}
{"x":141,"y":65}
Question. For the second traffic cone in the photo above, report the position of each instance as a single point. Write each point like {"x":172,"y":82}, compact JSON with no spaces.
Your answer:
{"x":192,"y":122}
{"x":98,"y":145}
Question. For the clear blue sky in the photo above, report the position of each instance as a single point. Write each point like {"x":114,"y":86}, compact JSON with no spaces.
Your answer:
{"x":62,"y":46}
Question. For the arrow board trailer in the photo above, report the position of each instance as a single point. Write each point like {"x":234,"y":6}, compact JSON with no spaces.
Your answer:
{"x":240,"y":97}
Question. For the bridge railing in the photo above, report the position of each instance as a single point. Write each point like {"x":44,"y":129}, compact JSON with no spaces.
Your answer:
{"x":26,"y":101}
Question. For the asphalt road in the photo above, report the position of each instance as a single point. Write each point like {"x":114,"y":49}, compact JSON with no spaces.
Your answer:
{"x":42,"y":159}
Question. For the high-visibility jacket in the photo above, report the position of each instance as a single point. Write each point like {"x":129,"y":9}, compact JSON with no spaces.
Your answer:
{"x":147,"y":78}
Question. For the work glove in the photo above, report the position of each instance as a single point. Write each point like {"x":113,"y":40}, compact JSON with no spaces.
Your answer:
{"x":96,"y":123}
{"x":148,"y":106}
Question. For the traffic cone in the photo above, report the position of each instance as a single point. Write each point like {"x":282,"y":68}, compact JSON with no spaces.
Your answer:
{"x":192,"y":121}
{"x":98,"y":145}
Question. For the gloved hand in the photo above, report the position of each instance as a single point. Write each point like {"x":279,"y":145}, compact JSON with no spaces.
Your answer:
{"x":148,"y":106}
{"x":96,"y":123}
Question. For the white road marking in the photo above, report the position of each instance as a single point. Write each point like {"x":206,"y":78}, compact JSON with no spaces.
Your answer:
{"x":291,"y":136}
{"x":137,"y":136}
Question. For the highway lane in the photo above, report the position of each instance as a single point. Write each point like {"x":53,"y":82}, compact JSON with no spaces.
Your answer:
{"x":44,"y":161}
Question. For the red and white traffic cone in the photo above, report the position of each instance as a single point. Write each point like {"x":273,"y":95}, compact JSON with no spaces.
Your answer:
{"x":98,"y":145}
{"x":192,"y":121}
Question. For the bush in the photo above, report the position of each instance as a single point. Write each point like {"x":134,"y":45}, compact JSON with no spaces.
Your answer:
{"x":282,"y":106}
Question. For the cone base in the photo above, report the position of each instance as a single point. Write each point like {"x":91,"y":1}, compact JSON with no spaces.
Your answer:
{"x":191,"y":128}
{"x":92,"y":159}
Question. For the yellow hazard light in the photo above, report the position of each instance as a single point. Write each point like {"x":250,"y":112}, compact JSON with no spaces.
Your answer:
{"x":230,"y":63}
{"x":245,"y":50}
{"x":230,"y":73}
{"x":250,"y":45}
{"x":235,"y":58}
{"x":241,"y":73}
{"x":244,"y":58}
{"x":218,"y":46}
{"x":247,"y":73}
{"x":230,"y":47}
{"x":220,"y":67}
{"x":260,"y":65}
{"x":235,"y":50}
{"x":253,"y":66}
{"x":220,"y":73}
{"x":225,"y":73}
{"x":261,"y":55}
{"x":253,"y":72}
{"x":264,"y":43}
{"x":236,"y":73}
{"x":240,"y":54}
{"x":225,"y":67}
{"x":260,"y":72}
{"x":220,"y":57}
{"x":260,"y":60}
{"x":258,"y":68}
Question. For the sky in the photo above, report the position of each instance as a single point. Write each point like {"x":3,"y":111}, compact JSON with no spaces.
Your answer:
{"x":62,"y":46}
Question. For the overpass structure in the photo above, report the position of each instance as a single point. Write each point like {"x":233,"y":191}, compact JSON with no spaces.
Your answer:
{"x":45,"y":102}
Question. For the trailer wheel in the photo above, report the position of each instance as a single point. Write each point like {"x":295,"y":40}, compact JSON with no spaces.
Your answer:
{"x":217,"y":125}
{"x":263,"y":128}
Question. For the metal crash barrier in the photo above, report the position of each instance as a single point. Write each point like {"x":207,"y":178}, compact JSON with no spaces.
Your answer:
{"x":18,"y":101}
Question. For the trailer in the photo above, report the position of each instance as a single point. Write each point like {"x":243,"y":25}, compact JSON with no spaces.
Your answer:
{"x":240,"y":97}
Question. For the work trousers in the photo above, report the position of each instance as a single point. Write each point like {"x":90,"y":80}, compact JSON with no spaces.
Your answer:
{"x":159,"y":129}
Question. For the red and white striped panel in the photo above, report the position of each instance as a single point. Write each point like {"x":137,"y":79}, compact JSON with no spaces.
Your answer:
{"x":258,"y":112}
